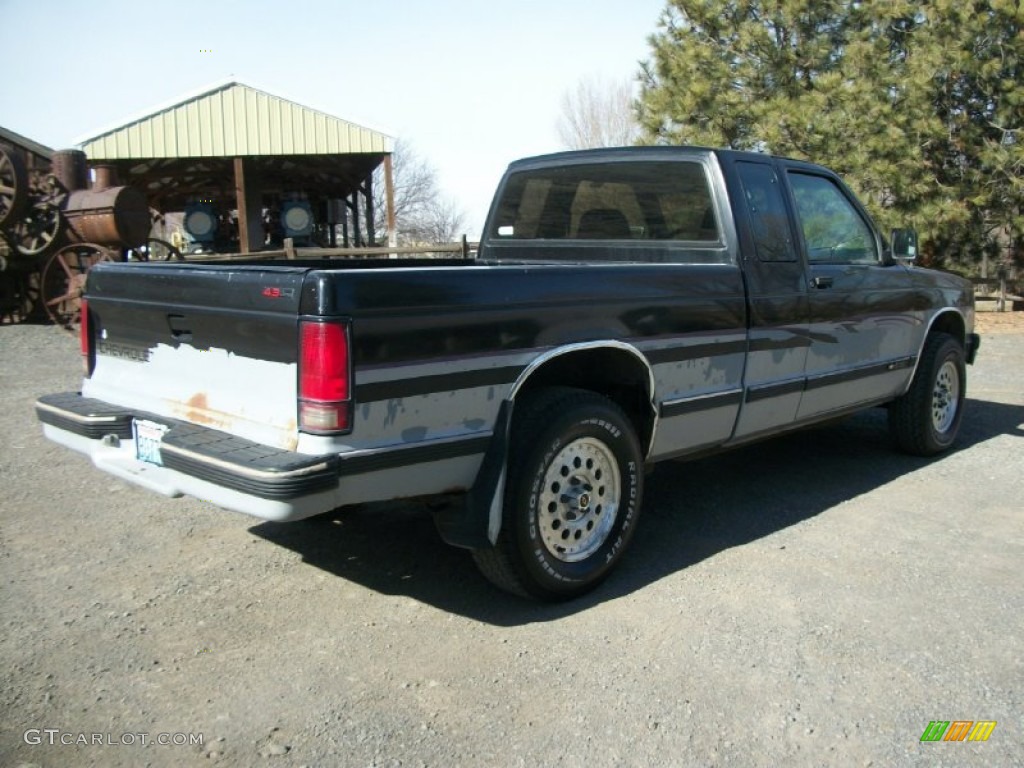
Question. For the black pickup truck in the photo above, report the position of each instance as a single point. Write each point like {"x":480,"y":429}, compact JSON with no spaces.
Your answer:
{"x":627,"y":306}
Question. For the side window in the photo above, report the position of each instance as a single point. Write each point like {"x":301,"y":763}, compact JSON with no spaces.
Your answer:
{"x":769,"y":221}
{"x":834,"y":231}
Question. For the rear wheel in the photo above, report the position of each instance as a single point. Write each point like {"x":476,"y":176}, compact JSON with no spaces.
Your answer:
{"x":925,"y":420}
{"x":572,"y":496}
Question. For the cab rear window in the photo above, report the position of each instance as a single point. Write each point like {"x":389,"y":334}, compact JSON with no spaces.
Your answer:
{"x":655,"y":201}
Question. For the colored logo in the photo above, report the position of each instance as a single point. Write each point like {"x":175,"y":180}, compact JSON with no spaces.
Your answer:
{"x":958,"y":730}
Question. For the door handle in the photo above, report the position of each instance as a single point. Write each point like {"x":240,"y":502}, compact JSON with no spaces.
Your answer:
{"x":822,"y":282}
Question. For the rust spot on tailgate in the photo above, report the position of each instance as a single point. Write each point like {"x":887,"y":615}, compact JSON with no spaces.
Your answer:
{"x":197,"y":411}
{"x":291,"y":441}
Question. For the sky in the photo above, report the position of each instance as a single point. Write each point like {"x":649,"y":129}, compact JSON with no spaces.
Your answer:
{"x":471,"y":85}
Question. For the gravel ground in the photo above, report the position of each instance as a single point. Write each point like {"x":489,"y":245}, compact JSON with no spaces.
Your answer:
{"x":816,"y":600}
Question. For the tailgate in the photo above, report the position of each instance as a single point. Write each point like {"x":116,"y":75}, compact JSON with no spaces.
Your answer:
{"x":214,"y":345}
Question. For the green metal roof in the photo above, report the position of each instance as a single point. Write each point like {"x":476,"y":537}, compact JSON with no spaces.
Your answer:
{"x":233,"y":120}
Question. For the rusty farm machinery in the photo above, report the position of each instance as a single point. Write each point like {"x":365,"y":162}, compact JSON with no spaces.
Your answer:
{"x":55,"y":225}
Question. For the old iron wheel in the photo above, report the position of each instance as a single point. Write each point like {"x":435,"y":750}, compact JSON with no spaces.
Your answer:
{"x":40,"y":229}
{"x":572,"y":495}
{"x":13,"y":187}
{"x":925,"y":420}
{"x":63,"y":281}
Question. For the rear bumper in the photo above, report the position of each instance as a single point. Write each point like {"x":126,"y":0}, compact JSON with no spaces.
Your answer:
{"x":214,"y":466}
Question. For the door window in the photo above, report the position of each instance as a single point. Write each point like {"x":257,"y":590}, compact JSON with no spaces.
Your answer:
{"x":833,"y":229}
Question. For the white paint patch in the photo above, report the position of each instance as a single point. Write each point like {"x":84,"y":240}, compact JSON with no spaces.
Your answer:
{"x":243,"y":396}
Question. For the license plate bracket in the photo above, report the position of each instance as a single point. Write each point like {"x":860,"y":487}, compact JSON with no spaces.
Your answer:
{"x":148,"y":437}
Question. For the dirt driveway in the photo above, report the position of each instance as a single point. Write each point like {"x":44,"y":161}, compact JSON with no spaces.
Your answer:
{"x":816,"y":600}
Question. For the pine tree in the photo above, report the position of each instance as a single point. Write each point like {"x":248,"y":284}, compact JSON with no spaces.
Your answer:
{"x":979,"y":99}
{"x":918,"y":105}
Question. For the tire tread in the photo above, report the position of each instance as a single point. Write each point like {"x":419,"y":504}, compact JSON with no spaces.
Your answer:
{"x":501,"y":564}
{"x":909,"y":429}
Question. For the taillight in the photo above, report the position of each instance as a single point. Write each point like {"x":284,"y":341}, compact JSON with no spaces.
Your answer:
{"x":325,"y":404}
{"x":85,"y":339}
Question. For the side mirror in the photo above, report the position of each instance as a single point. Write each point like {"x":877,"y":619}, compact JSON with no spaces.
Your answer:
{"x":903,"y":245}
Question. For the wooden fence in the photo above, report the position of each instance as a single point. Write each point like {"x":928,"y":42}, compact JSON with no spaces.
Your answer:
{"x":994,"y":289}
{"x":463,"y":249}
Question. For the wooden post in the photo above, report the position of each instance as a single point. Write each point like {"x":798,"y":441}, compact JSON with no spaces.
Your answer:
{"x":371,"y":235}
{"x":249,"y":200}
{"x":389,"y":189}
{"x":357,"y":237}
{"x":331,"y":209}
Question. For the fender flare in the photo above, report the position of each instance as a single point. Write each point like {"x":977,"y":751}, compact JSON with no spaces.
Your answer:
{"x":971,"y":341}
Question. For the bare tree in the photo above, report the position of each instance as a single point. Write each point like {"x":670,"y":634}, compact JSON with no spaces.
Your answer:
{"x":423,"y":214}
{"x":443,"y":221}
{"x":598,"y":113}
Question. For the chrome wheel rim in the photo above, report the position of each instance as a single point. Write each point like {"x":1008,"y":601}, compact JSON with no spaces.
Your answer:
{"x":579,"y":500}
{"x":945,"y":397}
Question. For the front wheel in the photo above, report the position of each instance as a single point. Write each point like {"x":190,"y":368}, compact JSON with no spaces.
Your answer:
{"x":925,"y":420}
{"x":572,"y":498}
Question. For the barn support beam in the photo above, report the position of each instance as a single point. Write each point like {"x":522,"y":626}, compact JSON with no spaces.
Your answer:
{"x":357,"y":235}
{"x":371,"y":234}
{"x":249,"y":200}
{"x":389,"y":196}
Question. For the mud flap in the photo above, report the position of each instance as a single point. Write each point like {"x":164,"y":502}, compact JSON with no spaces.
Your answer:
{"x":474,"y":523}
{"x":973,"y":345}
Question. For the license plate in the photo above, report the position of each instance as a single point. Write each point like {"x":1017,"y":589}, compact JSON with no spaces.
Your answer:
{"x":148,"y":436}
